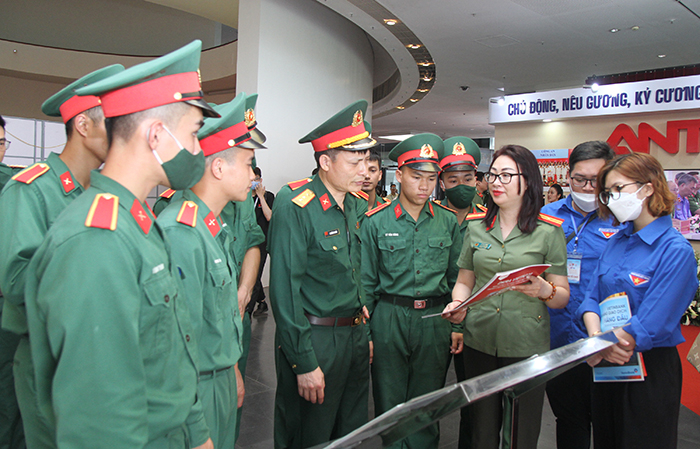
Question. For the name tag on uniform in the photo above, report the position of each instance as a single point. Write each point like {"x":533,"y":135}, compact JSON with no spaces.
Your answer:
{"x":479,"y":245}
{"x":573,"y":267}
{"x":331,"y":233}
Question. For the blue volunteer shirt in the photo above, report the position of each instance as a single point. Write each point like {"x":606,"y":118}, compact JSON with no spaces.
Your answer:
{"x":656,"y":268}
{"x":565,"y":328}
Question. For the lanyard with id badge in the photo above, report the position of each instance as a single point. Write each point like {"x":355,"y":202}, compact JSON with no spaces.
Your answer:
{"x":574,"y":258}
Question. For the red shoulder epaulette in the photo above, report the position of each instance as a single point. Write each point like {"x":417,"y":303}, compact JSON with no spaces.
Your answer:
{"x":28,"y":175}
{"x":103,"y":212}
{"x":475,"y":216}
{"x":554,"y":221}
{"x":481,"y":207}
{"x":167,"y":194}
{"x":361,"y":195}
{"x":303,"y":198}
{"x":445,"y":207}
{"x":377,"y":209}
{"x":296,"y":184}
{"x":188,"y":214}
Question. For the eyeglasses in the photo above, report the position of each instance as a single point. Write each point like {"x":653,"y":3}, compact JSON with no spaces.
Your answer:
{"x":505,"y":177}
{"x":579,"y":181}
{"x":614,"y":192}
{"x":5,"y":143}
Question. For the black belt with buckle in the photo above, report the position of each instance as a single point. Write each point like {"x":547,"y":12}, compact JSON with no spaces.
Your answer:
{"x":216,"y":371}
{"x":414,"y":303}
{"x":353,"y":321}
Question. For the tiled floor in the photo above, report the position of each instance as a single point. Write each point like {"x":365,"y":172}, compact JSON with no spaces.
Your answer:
{"x":256,"y":424}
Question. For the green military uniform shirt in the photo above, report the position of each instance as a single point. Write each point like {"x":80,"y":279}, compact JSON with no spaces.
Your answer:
{"x":28,"y":211}
{"x":405,"y":257}
{"x":243,"y":228}
{"x":112,"y":343}
{"x":315,"y":255}
{"x":476,"y":207}
{"x":6,"y":173}
{"x":200,"y":251}
{"x":510,"y":324}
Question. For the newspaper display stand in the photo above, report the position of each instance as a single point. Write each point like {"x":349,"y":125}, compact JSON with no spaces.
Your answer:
{"x":514,"y":380}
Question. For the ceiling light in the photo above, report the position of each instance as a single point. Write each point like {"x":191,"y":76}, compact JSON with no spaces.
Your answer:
{"x":502,"y":89}
{"x":595,"y":87}
{"x":414,"y":46}
{"x":498,"y":100}
{"x":427,"y":78}
{"x":391,"y":22}
{"x":425,"y":64}
{"x":423,"y":90}
{"x":397,"y":137}
{"x":662,"y":56}
{"x":413,"y":100}
{"x":614,"y":30}
{"x":547,"y":120}
{"x":634,"y":28}
{"x":400,"y":107}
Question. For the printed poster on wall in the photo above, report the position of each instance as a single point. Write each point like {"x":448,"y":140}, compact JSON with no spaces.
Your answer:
{"x":686,"y":215}
{"x":554,"y":165}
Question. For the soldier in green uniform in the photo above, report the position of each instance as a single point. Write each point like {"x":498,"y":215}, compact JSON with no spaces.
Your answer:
{"x":11,"y":431}
{"x":409,"y":265}
{"x":513,"y":325}
{"x":30,"y":204}
{"x":113,"y":347}
{"x":201,"y":250}
{"x":372,"y":178}
{"x":461,"y":158}
{"x":322,"y":355}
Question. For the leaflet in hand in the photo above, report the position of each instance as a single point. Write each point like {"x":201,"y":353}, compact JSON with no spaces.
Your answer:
{"x":499,"y":282}
{"x":615,"y":312}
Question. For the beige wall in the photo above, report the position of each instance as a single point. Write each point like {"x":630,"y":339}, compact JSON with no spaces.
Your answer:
{"x":569,"y":133}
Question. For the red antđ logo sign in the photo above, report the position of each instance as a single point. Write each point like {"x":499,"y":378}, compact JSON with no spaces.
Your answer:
{"x":647,"y":134}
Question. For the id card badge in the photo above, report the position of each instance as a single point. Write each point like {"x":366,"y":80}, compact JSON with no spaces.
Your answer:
{"x":573,"y":267}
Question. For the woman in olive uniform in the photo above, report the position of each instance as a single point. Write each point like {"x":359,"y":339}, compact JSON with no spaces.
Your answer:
{"x":513,"y":325}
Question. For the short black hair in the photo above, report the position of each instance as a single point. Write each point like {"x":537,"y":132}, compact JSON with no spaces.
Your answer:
{"x":375,"y":157}
{"x":257,"y":171}
{"x":95,"y":114}
{"x":2,"y":122}
{"x":532,"y":198}
{"x":685,"y":178}
{"x":479,"y":176}
{"x":594,"y":149}
{"x":332,"y":153}
{"x":124,"y":126}
{"x":558,"y":188}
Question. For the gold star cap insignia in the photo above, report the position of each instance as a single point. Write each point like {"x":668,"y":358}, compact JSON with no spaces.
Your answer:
{"x":458,"y":149}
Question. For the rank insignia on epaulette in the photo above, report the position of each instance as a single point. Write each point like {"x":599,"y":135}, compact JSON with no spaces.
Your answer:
{"x":361,"y":195}
{"x":103,"y":212}
{"x":554,"y":221}
{"x":28,"y":175}
{"x":475,"y":216}
{"x":188,"y":214}
{"x":377,"y":209}
{"x":325,"y":202}
{"x":212,"y":224}
{"x":296,"y":184}
{"x":141,"y":217}
{"x":167,"y":194}
{"x":445,"y":207}
{"x":67,"y":182}
{"x":303,"y":198}
{"x":481,"y":207}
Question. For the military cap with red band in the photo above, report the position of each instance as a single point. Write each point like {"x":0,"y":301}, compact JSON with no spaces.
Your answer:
{"x":229,"y":130}
{"x":346,"y":130}
{"x":66,"y":104}
{"x":172,"y":78}
{"x":460,"y":153}
{"x":420,"y":152}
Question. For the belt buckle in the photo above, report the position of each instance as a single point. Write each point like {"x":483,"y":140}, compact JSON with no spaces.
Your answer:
{"x":356,"y":319}
{"x":419,"y":304}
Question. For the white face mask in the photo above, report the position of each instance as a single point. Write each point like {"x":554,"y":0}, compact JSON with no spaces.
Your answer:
{"x":587,"y":202}
{"x":627,"y":207}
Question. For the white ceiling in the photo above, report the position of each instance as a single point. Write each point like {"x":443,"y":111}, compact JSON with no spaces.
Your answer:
{"x":532,"y":45}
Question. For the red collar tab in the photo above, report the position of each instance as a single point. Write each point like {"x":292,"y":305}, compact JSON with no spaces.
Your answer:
{"x":341,"y":137}
{"x":141,"y":216}
{"x":424,"y":154}
{"x":67,"y":182}
{"x":212,"y":224}
{"x":457,"y":159}
{"x":493,"y":222}
{"x":397,"y":210}
{"x":75,"y":105}
{"x":430,"y":208}
{"x":325,"y":202}
{"x":225,"y":139}
{"x":150,"y":94}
